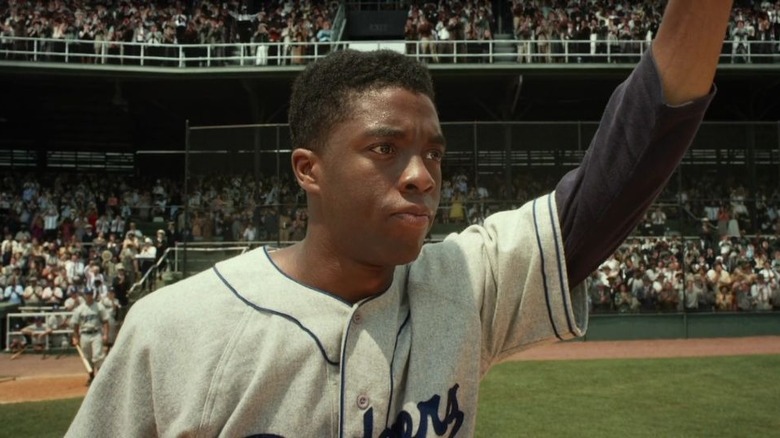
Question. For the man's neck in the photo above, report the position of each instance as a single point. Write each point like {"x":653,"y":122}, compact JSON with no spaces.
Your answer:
{"x":314,"y":266}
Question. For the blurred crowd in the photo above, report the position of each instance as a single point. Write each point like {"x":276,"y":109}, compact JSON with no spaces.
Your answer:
{"x":543,"y":31}
{"x":64,"y":234}
{"x":438,"y":25}
{"x":100,"y":24}
{"x":722,"y":205}
{"x":72,"y":240}
{"x":671,"y":274}
{"x":605,"y":30}
{"x":244,"y":208}
{"x":548,"y":31}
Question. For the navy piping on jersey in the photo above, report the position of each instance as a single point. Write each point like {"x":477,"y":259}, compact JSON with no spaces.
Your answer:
{"x":274,"y":312}
{"x":341,"y":389}
{"x":336,"y":297}
{"x":544,"y":275}
{"x":392,"y":361}
{"x":564,"y":288}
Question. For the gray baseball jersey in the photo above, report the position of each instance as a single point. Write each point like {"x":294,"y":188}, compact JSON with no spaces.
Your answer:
{"x":243,"y":349}
{"x":89,"y":317}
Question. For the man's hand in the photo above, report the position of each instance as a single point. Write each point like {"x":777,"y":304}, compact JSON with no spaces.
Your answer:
{"x":75,"y":340}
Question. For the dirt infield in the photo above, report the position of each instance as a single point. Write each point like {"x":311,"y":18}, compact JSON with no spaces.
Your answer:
{"x":32,"y":378}
{"x":653,"y":348}
{"x":26,"y":389}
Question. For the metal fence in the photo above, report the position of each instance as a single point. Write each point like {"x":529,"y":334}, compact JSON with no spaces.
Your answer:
{"x":534,"y":155}
{"x":58,"y":335}
{"x":484,"y":148}
{"x":98,"y":52}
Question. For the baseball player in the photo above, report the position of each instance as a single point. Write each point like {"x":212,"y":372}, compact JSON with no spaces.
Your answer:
{"x":58,"y":321}
{"x":359,"y":330}
{"x":16,"y":343}
{"x":90,"y":329}
{"x":112,"y":306}
{"x":38,"y":332}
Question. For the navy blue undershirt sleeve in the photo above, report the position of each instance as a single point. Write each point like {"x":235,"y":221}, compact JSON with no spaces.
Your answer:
{"x":639,"y":143}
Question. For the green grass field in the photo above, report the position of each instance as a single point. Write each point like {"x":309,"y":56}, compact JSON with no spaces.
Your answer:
{"x":703,"y":397}
{"x":37,"y":419}
{"x":706,"y":397}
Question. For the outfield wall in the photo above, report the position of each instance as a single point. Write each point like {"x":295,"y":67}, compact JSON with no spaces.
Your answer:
{"x":620,"y":327}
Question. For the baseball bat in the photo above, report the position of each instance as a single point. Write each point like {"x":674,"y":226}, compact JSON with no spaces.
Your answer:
{"x":84,"y":360}
{"x":15,"y":355}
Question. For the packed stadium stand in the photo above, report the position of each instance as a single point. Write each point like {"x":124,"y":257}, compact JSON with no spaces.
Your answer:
{"x":541,"y":31}
{"x":107,"y":179}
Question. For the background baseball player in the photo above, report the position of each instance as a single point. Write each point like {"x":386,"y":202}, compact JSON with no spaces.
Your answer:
{"x":38,"y":333}
{"x":90,"y":330}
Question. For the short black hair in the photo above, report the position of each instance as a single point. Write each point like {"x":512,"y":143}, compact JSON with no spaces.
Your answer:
{"x":321,"y":94}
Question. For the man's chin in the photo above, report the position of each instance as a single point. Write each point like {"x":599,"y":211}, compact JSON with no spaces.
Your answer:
{"x":409,"y":253}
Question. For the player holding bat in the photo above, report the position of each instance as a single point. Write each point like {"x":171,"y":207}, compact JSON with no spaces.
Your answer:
{"x":90,"y":332}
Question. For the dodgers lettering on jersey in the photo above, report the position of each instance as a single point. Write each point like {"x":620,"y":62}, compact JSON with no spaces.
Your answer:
{"x":89,"y":317}
{"x":428,"y":415}
{"x":405,"y":427}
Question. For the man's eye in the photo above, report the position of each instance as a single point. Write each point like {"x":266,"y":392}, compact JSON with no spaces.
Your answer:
{"x":435,"y":155}
{"x":383,"y":149}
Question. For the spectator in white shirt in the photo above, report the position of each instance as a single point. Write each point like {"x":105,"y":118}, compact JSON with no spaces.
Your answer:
{"x":74,"y":267}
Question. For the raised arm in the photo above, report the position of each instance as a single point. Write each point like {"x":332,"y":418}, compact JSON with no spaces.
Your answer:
{"x":649,"y":123}
{"x":687,"y":47}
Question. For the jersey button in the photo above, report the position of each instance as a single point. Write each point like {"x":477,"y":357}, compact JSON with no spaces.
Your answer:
{"x":363,"y":401}
{"x":357,"y":319}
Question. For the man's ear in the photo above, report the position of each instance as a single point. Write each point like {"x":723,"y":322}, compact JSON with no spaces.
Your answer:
{"x":305,"y":164}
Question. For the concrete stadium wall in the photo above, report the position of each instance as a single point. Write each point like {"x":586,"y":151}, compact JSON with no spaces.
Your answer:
{"x":682,"y":325}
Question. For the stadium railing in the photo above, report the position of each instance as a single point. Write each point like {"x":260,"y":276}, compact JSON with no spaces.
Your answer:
{"x":14,"y":329}
{"x":300,"y":53}
{"x":187,"y":258}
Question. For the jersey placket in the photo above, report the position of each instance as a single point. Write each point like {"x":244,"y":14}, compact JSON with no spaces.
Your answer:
{"x":367,"y":351}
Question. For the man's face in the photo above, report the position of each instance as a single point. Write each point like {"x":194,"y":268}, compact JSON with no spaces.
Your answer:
{"x":379,"y":176}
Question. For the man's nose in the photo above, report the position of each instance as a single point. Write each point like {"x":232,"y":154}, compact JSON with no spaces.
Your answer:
{"x":416,"y":177}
